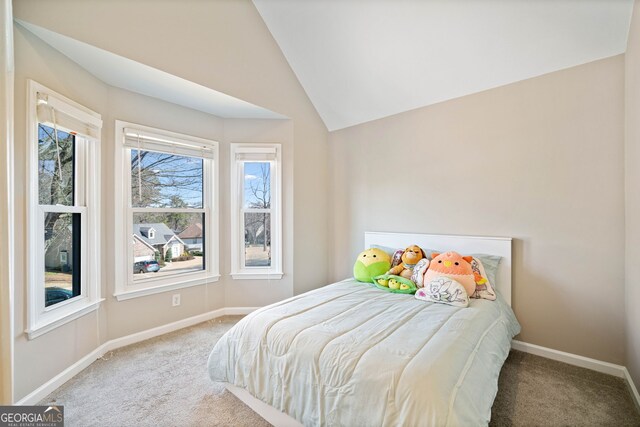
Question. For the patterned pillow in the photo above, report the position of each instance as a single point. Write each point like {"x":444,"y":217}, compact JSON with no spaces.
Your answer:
{"x":484,"y":289}
{"x":396,"y":258}
{"x":445,"y":291}
{"x":490,"y":264}
{"x":418,"y":272}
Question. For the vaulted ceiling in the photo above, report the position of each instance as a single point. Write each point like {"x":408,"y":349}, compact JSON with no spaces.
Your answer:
{"x":127,"y":74}
{"x":363,"y":60}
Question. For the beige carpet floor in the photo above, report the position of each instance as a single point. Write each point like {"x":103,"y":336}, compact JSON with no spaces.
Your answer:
{"x":163,"y":382}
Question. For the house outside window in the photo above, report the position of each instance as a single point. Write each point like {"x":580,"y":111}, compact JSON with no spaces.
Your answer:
{"x":167,"y":185}
{"x":64,"y":233}
{"x":165,"y":242}
{"x":256,"y":211}
{"x":193,"y":237}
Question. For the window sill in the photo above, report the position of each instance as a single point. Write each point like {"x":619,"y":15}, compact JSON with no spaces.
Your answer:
{"x":143,"y":292}
{"x":267,"y":275}
{"x":43,"y":328}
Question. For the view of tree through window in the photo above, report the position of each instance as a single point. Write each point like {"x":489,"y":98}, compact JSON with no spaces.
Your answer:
{"x":168,"y":213}
{"x":56,"y":176}
{"x":55,"y":167}
{"x":257,"y":214}
{"x":162,"y":180}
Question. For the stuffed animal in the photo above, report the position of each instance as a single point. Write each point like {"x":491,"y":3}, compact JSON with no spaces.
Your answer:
{"x":394,"y":284}
{"x":454,"y":266}
{"x":371,"y":263}
{"x":410,"y":258}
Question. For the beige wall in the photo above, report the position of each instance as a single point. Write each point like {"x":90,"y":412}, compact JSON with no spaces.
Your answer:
{"x":540,"y":161}
{"x":236,"y":55}
{"x":632,"y":180}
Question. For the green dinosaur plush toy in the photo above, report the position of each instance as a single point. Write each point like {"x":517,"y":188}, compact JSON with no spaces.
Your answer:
{"x":370,"y":263}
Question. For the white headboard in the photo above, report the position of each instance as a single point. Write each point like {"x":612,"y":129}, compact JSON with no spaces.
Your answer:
{"x":500,"y":246}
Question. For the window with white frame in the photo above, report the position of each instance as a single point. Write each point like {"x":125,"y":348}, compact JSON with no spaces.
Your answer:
{"x":166,"y":210}
{"x":256,"y":217}
{"x":64,"y":236}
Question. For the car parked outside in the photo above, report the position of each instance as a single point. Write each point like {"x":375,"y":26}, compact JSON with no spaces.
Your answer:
{"x":146,"y":267}
{"x":54,"y":295}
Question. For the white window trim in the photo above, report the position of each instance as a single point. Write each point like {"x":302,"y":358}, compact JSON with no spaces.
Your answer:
{"x":40,"y":319}
{"x":238,"y":271}
{"x":125,"y":287}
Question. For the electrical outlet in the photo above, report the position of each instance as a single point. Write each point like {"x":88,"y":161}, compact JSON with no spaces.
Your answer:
{"x":175,"y":301}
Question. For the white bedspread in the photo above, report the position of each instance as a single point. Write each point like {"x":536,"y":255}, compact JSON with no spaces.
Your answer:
{"x":349,"y":354}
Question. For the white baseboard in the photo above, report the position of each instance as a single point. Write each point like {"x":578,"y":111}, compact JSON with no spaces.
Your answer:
{"x":233,"y":311}
{"x":164,"y":329}
{"x":571,"y":359}
{"x":581,"y":361}
{"x":45,"y":389}
{"x":632,"y":388}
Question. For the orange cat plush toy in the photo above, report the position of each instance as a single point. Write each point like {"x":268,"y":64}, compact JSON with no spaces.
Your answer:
{"x":454,"y":266}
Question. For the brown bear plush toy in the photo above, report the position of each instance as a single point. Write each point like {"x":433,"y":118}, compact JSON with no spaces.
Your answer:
{"x":410,"y":258}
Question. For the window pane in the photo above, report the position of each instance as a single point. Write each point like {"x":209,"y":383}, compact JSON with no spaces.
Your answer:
{"x":55,"y":167}
{"x":61,"y":257}
{"x":167,"y":244}
{"x":257,"y":239}
{"x":160,"y":180}
{"x":257,"y":185}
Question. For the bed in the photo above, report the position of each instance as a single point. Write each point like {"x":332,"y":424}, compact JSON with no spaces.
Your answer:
{"x":350,"y":354}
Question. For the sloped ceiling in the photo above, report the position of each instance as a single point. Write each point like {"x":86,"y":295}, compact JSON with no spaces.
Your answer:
{"x":363,"y":60}
{"x":127,"y":74}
